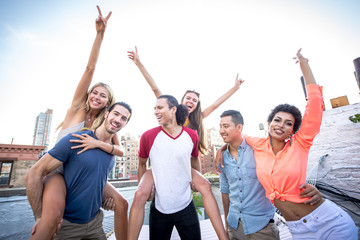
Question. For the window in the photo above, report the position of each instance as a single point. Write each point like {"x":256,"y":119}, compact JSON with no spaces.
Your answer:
{"x":116,"y":173}
{"x":110,"y":175}
{"x":5,"y":172}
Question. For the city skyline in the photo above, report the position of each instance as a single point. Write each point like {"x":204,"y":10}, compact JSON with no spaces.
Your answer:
{"x":199,"y":45}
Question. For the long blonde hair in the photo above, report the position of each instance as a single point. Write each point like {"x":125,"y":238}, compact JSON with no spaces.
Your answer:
{"x":111,"y":100}
{"x":100,"y":117}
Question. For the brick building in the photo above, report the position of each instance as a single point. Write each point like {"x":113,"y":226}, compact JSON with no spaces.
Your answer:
{"x":15,"y":161}
{"x":126,"y":165}
{"x":215,"y":141}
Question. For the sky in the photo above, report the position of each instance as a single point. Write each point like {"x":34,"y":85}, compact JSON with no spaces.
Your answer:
{"x":189,"y":44}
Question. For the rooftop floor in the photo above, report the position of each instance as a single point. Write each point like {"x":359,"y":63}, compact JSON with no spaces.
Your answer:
{"x":207,"y":232}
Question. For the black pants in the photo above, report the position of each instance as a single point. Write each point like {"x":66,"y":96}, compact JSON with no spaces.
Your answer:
{"x":186,"y":222}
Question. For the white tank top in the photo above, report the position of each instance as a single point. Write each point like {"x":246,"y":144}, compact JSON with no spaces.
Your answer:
{"x":72,"y":129}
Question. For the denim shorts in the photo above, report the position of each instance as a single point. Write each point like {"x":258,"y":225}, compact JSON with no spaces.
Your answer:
{"x":328,"y":221}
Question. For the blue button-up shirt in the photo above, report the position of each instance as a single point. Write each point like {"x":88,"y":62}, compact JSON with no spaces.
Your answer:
{"x":247,"y":196}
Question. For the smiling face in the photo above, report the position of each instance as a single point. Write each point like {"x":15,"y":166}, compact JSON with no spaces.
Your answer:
{"x":229,"y":131}
{"x":191,"y":101}
{"x":281,"y":126}
{"x":163,"y":113}
{"x":116,"y":119}
{"x":98,"y":98}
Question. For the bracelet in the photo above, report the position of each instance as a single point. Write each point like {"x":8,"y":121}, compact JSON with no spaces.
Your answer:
{"x":112,"y":149}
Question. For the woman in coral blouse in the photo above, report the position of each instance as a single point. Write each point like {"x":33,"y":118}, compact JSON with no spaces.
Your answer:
{"x":281,"y":162}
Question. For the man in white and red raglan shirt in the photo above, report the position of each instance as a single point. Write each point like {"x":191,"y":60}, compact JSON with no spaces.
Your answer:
{"x":173,"y":151}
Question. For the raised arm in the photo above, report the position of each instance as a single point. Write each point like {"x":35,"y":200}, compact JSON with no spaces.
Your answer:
{"x":135,"y":57}
{"x":223,"y":98}
{"x":80,"y":95}
{"x":311,"y":121}
{"x":305,"y":68}
{"x":34,"y":181}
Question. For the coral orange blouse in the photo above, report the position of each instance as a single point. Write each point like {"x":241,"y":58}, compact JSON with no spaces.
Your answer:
{"x":281,"y":174}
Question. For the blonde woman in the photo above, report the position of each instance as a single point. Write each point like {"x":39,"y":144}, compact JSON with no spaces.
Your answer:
{"x":86,"y":111}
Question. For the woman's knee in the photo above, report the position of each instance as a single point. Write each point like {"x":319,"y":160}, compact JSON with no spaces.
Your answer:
{"x":121,"y":203}
{"x":202,"y":184}
{"x":140,"y":196}
{"x":205,"y":187}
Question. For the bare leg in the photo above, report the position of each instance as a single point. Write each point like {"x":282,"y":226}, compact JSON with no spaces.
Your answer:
{"x":137,"y":210}
{"x":53,"y":205}
{"x":120,"y":212}
{"x":211,"y":207}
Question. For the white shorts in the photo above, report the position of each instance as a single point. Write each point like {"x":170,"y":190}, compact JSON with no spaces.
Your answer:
{"x":328,"y":221}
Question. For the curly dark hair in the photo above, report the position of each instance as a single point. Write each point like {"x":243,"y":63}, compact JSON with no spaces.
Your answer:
{"x":294,"y":111}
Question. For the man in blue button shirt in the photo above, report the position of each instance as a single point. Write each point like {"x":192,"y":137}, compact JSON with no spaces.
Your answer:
{"x":247,"y":210}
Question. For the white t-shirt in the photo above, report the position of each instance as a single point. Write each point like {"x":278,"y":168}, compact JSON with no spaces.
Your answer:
{"x":170,"y":160}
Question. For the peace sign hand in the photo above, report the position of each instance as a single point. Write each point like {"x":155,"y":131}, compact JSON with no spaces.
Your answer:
{"x":238,"y":81}
{"x":101,"y":22}
{"x":133,"y":55}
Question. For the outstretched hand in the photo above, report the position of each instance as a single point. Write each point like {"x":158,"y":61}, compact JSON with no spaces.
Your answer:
{"x":101,"y":22}
{"x":85,"y":141}
{"x":238,"y":81}
{"x":134,"y":56}
{"x":299,"y":57}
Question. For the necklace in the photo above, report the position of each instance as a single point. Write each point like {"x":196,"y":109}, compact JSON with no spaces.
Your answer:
{"x":89,"y":119}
